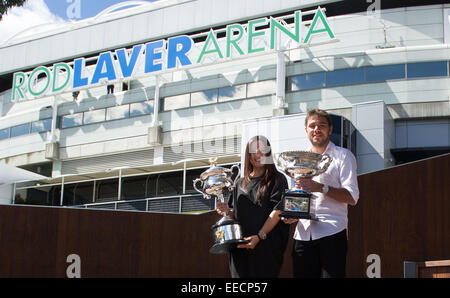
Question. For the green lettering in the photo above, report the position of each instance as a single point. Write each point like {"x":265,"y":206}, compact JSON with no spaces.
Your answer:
{"x":55,"y":76}
{"x":38,"y":70}
{"x":216,"y":49}
{"x":251,"y":34}
{"x":319,"y":15}
{"x":18,"y":76}
{"x":231,"y":41}
{"x":275,"y":24}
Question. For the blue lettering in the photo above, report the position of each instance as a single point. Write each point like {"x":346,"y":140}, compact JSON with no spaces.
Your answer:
{"x":128,"y":67}
{"x":78,"y":71}
{"x":151,"y":56}
{"x":104,"y":61}
{"x":178,"y":47}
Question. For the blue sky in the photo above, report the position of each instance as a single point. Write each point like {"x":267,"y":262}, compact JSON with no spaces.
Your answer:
{"x":34,"y":14}
{"x":86,"y":8}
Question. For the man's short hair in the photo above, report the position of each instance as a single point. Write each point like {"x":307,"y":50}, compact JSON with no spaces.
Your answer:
{"x":320,"y":113}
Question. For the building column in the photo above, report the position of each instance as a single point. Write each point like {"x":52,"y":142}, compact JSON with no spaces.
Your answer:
{"x":280,"y":107}
{"x":154,"y":135}
{"x":52,"y":145}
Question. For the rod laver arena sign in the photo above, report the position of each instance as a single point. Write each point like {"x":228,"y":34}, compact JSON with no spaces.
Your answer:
{"x":171,"y":54}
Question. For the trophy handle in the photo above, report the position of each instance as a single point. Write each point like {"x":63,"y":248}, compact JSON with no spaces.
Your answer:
{"x":238,"y":173}
{"x":276,"y":157}
{"x":327,"y":159}
{"x":205,"y":195}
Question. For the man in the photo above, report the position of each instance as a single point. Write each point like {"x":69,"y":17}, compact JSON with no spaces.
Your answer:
{"x":320,"y":247}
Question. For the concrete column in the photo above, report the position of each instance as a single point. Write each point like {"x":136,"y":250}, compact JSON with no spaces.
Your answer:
{"x":280,"y":96}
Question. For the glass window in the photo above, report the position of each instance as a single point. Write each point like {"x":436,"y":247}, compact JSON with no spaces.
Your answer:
{"x":168,"y":184}
{"x":385,"y":72}
{"x":261,"y":88}
{"x":191,"y":175}
{"x":72,"y":120}
{"x":41,"y":125}
{"x":141,"y":108}
{"x":37,"y":196}
{"x":94,"y":116}
{"x":4,"y":133}
{"x":20,"y":130}
{"x":345,"y":77}
{"x":308,"y":81}
{"x":78,"y":193}
{"x":204,"y":97}
{"x":176,"y":102}
{"x":107,"y":190}
{"x":232,"y":92}
{"x":336,"y":122}
{"x":118,"y":112}
{"x":134,"y":188}
{"x":427,"y":69}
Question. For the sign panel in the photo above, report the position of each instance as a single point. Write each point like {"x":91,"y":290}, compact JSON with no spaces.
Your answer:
{"x":241,"y":40}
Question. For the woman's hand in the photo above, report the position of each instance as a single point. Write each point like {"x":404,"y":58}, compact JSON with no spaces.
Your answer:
{"x":222,"y":208}
{"x":289,"y":221}
{"x":254,"y":240}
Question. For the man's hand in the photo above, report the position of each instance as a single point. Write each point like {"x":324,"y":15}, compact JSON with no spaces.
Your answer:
{"x":339,"y":194}
{"x":308,"y":184}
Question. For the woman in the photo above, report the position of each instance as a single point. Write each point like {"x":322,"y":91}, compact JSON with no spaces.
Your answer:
{"x":254,"y":202}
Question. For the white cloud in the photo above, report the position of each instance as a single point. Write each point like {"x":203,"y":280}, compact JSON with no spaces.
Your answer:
{"x":32,"y":14}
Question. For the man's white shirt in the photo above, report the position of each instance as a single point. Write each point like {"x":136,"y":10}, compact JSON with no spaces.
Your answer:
{"x":331,"y":214}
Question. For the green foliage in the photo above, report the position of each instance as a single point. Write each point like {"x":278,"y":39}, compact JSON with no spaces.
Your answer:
{"x":6,"y":4}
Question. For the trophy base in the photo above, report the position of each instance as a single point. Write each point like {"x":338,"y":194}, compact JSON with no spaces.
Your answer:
{"x":227,"y":233}
{"x":223,"y":248}
{"x":299,"y":215}
{"x":297,"y":204}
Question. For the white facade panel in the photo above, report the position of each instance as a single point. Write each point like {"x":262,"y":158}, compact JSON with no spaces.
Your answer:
{"x":6,"y":192}
{"x":190,"y":117}
{"x":369,"y":163}
{"x":446,"y":17}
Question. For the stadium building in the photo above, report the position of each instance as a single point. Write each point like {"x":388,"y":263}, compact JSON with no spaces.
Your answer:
{"x":124,"y":110}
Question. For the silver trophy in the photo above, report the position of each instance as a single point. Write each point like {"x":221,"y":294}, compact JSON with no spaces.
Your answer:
{"x":300,"y":164}
{"x":216,"y":181}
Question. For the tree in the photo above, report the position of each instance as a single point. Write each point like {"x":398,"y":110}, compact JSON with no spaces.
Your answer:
{"x":6,"y":4}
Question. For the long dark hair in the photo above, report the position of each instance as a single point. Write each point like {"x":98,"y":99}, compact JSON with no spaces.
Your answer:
{"x":269,"y":168}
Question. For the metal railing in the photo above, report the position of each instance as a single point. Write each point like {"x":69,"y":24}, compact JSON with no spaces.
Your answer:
{"x":169,"y":204}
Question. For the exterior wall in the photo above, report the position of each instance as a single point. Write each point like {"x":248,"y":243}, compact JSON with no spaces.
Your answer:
{"x":417,"y":33}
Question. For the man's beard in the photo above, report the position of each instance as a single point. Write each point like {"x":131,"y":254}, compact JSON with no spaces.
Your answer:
{"x":321,"y":143}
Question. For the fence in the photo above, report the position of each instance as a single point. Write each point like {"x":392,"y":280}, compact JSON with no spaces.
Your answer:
{"x":402,"y":215}
{"x":171,"y":204}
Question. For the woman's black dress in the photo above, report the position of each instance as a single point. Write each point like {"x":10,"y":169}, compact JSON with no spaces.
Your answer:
{"x":266,"y":259}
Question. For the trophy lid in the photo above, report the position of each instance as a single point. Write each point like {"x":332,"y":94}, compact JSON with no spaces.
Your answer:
{"x":303,"y":163}
{"x":292,"y":155}
{"x":214,"y":170}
